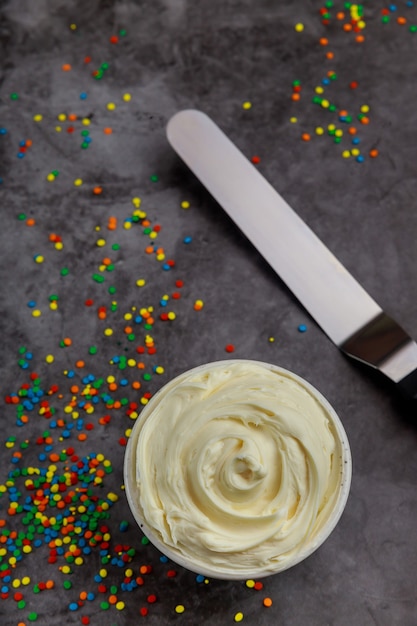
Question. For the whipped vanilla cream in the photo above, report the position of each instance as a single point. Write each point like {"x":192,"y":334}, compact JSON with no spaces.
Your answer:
{"x":237,"y":467}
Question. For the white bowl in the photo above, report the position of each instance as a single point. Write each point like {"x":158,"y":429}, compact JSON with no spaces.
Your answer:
{"x":286,"y":392}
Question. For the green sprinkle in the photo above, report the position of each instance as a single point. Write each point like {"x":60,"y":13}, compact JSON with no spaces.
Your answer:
{"x":64,"y":271}
{"x":98,"y":278}
{"x":115,"y":246}
{"x":21,"y":216}
{"x":112,"y":290}
{"x":14,"y":96}
{"x":104,"y":605}
{"x":32,"y":617}
{"x":92,"y":350}
{"x":144,"y":541}
{"x":154,"y":178}
{"x":21,"y":604}
{"x":67,"y":584}
{"x":413,"y":28}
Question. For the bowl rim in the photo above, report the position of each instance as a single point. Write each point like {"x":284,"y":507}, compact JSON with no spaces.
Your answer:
{"x":130,"y":486}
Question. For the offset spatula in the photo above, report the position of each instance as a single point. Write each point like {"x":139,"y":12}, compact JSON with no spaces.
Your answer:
{"x":343,"y":309}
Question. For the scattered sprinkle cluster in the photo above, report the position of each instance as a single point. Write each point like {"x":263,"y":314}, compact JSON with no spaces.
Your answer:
{"x":346,"y":126}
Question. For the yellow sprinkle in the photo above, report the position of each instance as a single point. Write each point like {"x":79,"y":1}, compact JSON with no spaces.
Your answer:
{"x":58,"y":129}
{"x":238,"y":617}
{"x":180,"y":608}
{"x":339,"y":132}
{"x":325,"y":104}
{"x":100,"y":243}
{"x":127,"y":97}
{"x":140,"y":282}
{"x":62,"y":117}
{"x":120,"y":605}
{"x":247,"y":105}
{"x":110,"y":106}
{"x":86,"y":121}
{"x":159,"y":369}
{"x":131,"y":362}
{"x":346,"y":154}
{"x":136,"y":202}
{"x":319,"y":130}
{"x":185,"y":204}
{"x":108,"y":332}
{"x":103,"y":573}
{"x":59,"y":245}
{"x":361,"y":24}
{"x":299,"y":27}
{"x":113,"y":497}
{"x":250,"y":583}
{"x":78,"y":182}
{"x":16,"y":583}
{"x":38,"y":117}
{"x":293,"y":120}
{"x":39,"y":258}
{"x":331,"y":127}
{"x":171,"y":315}
{"x":50,"y":178}
{"x":49,"y":358}
{"x":65,"y":569}
{"x":355,"y":152}
{"x":73,"y":26}
{"x":365,"y":108}
{"x":319,"y":90}
{"x":127,"y":225}
{"x":271,"y":339}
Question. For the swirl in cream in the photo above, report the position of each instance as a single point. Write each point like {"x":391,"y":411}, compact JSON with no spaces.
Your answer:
{"x":238,"y":467}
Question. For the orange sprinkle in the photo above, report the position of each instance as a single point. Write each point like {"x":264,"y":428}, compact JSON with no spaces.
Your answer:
{"x":49,"y":584}
{"x":128,"y":330}
{"x":343,"y":113}
{"x":401,"y":21}
{"x":66,"y":67}
{"x":113,"y":386}
{"x":149,"y":249}
{"x":28,"y":143}
{"x":146,"y":223}
{"x":82,"y":437}
{"x":352,"y":130}
{"x":107,"y":131}
{"x":136,"y":384}
{"x":112,"y":223}
{"x":373,"y":153}
{"x":112,"y":599}
{"x":117,"y":404}
{"x":347,"y":27}
{"x":30,"y":221}
{"x":295,"y":96}
{"x":360,"y":39}
{"x":329,"y":55}
{"x":54,"y":458}
{"x":365,"y":120}
{"x":267,"y":602}
{"x":340,"y":15}
{"x":24,"y":419}
{"x":97,"y":190}
{"x":72,"y":117}
{"x":67,"y":341}
{"x":305,"y":137}
{"x":323,"y":41}
{"x":107,"y":261}
{"x":2,"y":523}
{"x":79,"y":364}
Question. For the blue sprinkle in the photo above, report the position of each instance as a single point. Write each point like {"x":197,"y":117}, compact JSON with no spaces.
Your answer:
{"x":31,"y":304}
{"x":20,"y":155}
{"x":356,"y":140}
{"x":360,"y":158}
{"x":124,"y":525}
{"x":302,"y":328}
{"x":187,"y":239}
{"x":3,"y":131}
{"x":73,"y":606}
{"x":199,"y":578}
{"x":83,"y":95}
